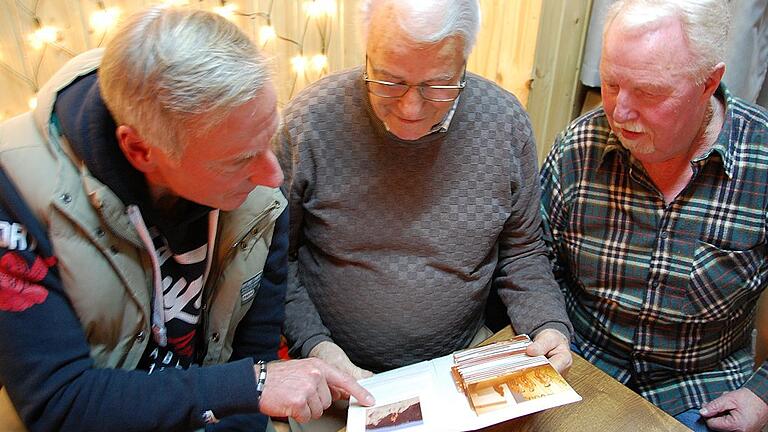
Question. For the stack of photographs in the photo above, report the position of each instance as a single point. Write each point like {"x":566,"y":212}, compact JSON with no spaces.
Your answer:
{"x":495,"y":376}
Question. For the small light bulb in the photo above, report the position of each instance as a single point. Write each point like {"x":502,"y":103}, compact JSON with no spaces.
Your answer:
{"x":318,"y":8}
{"x":328,"y":6}
{"x":299,"y":64}
{"x":319,"y":62}
{"x":227,"y":11}
{"x":312,"y":9}
{"x":266,"y":34}
{"x":105,"y":19}
{"x":44,"y":35}
{"x":32,"y":103}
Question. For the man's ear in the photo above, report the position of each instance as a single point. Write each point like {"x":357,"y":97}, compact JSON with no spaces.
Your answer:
{"x":713,"y":80}
{"x":135,"y":148}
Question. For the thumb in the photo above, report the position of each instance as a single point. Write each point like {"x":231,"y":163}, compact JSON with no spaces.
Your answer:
{"x":361,"y":373}
{"x":715,"y":407}
{"x":537,"y":348}
{"x":726,"y":422}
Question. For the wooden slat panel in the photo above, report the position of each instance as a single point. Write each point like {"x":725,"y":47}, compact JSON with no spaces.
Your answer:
{"x":552,"y":102}
{"x":505,"y":48}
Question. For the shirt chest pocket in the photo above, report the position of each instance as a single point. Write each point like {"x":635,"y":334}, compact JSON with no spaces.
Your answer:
{"x":723,"y":281}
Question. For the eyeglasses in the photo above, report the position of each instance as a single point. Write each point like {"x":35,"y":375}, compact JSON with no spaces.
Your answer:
{"x":434,"y":93}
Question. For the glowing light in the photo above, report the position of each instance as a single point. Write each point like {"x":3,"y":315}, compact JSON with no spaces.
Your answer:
{"x":319,"y":62}
{"x":266,"y":34}
{"x":105,"y":19}
{"x":227,"y":10}
{"x":318,"y":8}
{"x":329,"y":6}
{"x":44,"y":35}
{"x":299,"y":64}
{"x":176,"y":2}
{"x":32,"y":103}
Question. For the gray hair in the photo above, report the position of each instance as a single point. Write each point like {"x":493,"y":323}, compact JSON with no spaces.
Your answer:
{"x":173,"y":73}
{"x":429,"y":21}
{"x":705,"y":25}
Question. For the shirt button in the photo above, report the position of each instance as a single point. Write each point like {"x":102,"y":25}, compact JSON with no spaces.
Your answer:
{"x":140,"y":336}
{"x":215,"y":337}
{"x":114,"y":250}
{"x":655,"y":284}
{"x":66,"y":198}
{"x":664,"y":234}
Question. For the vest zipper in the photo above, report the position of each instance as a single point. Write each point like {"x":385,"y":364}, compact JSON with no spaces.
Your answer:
{"x":216,"y":269}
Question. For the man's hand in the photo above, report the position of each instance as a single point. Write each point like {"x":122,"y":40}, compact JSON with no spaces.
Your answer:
{"x":303,"y":389}
{"x":336,"y":357}
{"x":739,"y":410}
{"x":555,"y":346}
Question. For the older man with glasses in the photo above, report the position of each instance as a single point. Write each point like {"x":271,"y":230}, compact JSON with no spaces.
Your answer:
{"x":413,"y":191}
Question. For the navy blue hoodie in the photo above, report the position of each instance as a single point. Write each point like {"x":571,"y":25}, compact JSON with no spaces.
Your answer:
{"x":44,"y":356}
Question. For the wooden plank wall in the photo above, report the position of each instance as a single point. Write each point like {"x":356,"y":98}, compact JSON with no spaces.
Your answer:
{"x":555,"y":97}
{"x":504,"y":53}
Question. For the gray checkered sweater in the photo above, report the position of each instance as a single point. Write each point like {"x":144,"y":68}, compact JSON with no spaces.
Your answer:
{"x":396,"y":244}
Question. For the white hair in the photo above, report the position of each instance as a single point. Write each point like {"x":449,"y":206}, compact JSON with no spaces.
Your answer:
{"x":705,"y":25}
{"x":173,"y":73}
{"x":429,"y":21}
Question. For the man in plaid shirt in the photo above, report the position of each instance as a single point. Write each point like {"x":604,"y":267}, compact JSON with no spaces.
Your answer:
{"x":655,"y":207}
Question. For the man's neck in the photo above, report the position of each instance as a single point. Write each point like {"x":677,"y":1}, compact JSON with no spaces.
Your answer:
{"x":162,"y":198}
{"x":673,"y":175}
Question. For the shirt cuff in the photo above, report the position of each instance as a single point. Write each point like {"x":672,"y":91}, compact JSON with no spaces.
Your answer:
{"x":758,"y":382}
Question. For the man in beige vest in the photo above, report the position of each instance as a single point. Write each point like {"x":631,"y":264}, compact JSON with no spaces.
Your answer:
{"x":143,"y":242}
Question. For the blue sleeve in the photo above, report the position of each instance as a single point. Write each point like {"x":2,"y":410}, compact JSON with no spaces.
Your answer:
{"x":45,"y":362}
{"x":258,"y":334}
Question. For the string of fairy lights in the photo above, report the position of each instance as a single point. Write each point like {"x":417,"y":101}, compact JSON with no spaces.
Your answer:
{"x":47,"y":37}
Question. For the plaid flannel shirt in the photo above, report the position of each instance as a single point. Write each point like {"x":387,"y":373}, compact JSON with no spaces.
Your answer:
{"x":662,"y":297}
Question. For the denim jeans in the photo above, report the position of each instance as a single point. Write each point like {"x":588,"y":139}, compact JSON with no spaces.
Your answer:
{"x":693,"y":420}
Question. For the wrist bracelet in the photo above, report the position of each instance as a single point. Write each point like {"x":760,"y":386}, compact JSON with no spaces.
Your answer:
{"x":261,"y":379}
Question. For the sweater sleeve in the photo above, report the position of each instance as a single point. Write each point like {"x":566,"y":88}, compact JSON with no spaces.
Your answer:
{"x":524,"y":277}
{"x":303,"y":326}
{"x":45,"y":362}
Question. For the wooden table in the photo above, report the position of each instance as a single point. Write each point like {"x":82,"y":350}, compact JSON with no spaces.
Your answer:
{"x":607,"y":406}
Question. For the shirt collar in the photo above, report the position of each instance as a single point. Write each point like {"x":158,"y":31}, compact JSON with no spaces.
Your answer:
{"x":724,"y":145}
{"x":443,"y":125}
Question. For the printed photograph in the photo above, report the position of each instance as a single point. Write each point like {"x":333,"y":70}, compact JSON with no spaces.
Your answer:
{"x":517,"y":387}
{"x":396,"y":416}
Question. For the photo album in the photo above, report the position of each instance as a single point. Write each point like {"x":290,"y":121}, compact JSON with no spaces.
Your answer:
{"x":466,"y":390}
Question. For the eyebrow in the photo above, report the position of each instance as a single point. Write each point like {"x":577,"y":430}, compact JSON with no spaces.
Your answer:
{"x":443,"y":77}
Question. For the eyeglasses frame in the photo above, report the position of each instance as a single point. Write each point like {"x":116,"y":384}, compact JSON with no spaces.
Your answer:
{"x":460,"y":86}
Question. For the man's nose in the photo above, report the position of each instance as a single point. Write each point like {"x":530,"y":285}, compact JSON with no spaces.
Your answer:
{"x":267,"y":171}
{"x":624,"y":110}
{"x":411,"y":104}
